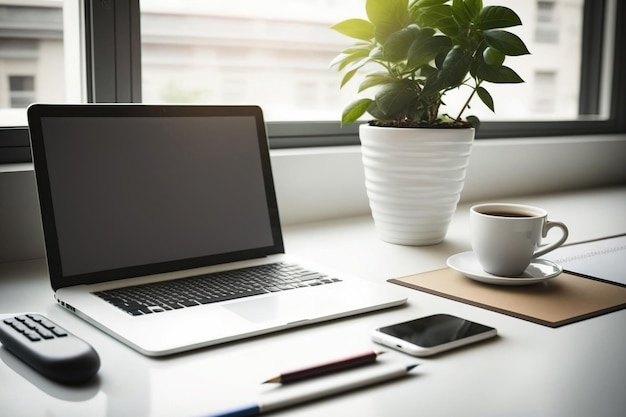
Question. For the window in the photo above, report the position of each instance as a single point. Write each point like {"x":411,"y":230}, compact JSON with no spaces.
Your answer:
{"x":40,"y":60}
{"x":544,"y":94}
{"x":547,"y":29}
{"x":276,"y":53}
{"x":32,"y":65}
{"x":21,"y":90}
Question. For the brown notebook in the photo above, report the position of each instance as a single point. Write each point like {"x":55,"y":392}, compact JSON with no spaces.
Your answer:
{"x":562,"y":300}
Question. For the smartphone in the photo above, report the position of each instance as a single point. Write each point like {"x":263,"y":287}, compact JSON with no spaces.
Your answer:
{"x":430,"y":335}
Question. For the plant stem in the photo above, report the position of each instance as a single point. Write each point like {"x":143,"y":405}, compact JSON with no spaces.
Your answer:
{"x":466,"y":105}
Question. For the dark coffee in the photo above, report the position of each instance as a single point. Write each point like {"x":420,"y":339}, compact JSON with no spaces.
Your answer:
{"x":507,"y":214}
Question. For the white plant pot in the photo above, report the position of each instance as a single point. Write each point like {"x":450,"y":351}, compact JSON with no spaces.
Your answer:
{"x":414,"y":178}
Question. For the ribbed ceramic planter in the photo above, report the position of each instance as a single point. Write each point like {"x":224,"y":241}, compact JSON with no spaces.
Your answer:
{"x":414,"y":179}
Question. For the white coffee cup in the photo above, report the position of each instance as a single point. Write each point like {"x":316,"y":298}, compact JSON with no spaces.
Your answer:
{"x":506,"y":237}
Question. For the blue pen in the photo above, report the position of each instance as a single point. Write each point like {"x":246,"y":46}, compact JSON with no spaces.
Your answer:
{"x":373,"y":375}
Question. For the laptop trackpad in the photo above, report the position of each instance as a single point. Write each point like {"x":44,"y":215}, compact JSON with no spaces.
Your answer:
{"x":270,"y":309}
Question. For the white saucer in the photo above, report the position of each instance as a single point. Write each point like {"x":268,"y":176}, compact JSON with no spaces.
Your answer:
{"x":539,"y":270}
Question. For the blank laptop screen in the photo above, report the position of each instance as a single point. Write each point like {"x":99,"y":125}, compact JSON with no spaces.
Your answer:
{"x":128,"y":192}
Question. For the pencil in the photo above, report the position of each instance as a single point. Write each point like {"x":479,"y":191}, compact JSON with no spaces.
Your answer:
{"x":325,"y":368}
{"x":319,"y":390}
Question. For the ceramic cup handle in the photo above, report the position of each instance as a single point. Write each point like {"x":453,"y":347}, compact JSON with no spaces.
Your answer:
{"x":546,"y":227}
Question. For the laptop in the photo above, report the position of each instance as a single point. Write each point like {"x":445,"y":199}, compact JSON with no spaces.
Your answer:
{"x":138,"y":200}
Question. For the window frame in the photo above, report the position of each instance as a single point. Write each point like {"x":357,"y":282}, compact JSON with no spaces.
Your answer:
{"x":114,"y":75}
{"x":113,"y":67}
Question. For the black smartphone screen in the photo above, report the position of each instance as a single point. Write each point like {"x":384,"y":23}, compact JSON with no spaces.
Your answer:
{"x":434,"y":330}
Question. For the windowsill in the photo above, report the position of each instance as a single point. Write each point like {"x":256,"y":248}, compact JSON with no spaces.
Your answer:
{"x":321,"y":183}
{"x":16,"y":167}
{"x":352,"y":149}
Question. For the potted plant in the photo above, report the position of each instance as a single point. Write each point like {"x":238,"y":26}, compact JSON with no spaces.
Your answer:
{"x":412,"y":53}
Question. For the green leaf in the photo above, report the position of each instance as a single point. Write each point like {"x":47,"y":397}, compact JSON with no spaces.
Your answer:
{"x":347,"y":77}
{"x":498,"y":74}
{"x":486,"y":98}
{"x":474,"y":121}
{"x":428,"y":3}
{"x":474,"y":7}
{"x":425,"y":49}
{"x":460,"y":13}
{"x":353,"y":68}
{"x":455,"y":67}
{"x":355,"y":110}
{"x":356,"y":28}
{"x":505,"y":42}
{"x":375,"y":112}
{"x":343,"y":59}
{"x":388,"y":16}
{"x":359,"y":47}
{"x":376,"y":79}
{"x":441,"y":56}
{"x":492,"y":56}
{"x":494,"y":17}
{"x":449,"y":27}
{"x":394,"y":98}
{"x":376,"y":53}
{"x":427,"y":70}
{"x":432,"y":17}
{"x":478,"y":60}
{"x":396,"y":47}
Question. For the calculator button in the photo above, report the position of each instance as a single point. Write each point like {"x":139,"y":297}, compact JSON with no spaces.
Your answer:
{"x":33,"y":336}
{"x":58,"y":332}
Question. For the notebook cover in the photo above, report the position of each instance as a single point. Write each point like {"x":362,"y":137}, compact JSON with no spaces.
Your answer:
{"x":562,"y":300}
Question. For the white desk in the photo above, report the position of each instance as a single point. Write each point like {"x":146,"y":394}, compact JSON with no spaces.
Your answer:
{"x":530,"y":370}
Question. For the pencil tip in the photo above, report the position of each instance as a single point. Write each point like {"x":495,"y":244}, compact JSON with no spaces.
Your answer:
{"x":410,"y":367}
{"x":272,"y":380}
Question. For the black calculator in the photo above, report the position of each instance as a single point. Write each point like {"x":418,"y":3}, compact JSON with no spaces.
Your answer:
{"x":49,"y":348}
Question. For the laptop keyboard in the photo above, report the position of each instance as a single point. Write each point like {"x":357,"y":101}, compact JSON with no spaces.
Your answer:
{"x":210,"y":288}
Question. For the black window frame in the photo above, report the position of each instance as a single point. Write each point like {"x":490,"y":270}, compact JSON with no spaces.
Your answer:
{"x":114,"y":75}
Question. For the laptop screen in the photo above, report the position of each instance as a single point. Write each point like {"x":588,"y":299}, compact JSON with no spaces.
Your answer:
{"x":128,"y":190}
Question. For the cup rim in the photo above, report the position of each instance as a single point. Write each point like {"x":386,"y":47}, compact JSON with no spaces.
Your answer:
{"x":480,"y":209}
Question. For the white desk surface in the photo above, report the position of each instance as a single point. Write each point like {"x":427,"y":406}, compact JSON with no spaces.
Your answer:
{"x":529,"y":370}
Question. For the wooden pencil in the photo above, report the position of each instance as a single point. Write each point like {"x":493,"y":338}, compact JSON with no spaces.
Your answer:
{"x":325,"y":368}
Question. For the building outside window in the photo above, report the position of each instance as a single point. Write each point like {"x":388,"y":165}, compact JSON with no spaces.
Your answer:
{"x":21,"y":90}
{"x":274,"y":53}
{"x":544,"y":94}
{"x":547,"y":30}
{"x":32,"y":58}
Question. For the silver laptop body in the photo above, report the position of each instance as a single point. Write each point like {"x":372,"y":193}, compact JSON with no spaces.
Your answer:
{"x":133,"y":194}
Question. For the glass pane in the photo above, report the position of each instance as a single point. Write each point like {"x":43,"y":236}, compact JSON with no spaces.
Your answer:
{"x":276,"y":53}
{"x":32,"y":57}
{"x":552,"y":31}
